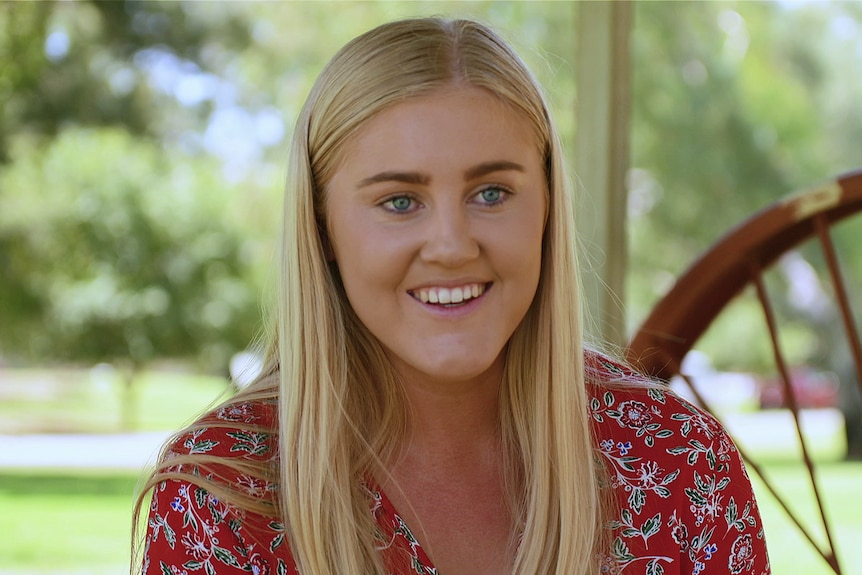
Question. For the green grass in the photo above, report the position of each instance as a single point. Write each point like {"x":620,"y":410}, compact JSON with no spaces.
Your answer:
{"x":65,"y":524}
{"x":77,"y":524}
{"x":167,"y":403}
{"x":841,"y":489}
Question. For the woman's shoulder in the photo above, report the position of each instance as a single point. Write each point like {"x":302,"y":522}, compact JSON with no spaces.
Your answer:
{"x":650,"y":412}
{"x":244,"y":429}
{"x":214,"y":498}
{"x":626,"y":404}
{"x":677,"y":477}
{"x":602,"y":369}
{"x":623,"y":402}
{"x":648,"y":435}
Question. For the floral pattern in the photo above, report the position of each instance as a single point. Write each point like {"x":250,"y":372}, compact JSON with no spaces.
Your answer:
{"x":684,"y":501}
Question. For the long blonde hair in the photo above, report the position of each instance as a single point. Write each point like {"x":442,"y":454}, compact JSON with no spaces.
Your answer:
{"x":341,"y":408}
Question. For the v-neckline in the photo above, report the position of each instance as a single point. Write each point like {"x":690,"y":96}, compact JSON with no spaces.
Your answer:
{"x":397,"y":521}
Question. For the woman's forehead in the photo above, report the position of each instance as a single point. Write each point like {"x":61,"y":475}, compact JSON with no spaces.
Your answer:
{"x":458,"y":128}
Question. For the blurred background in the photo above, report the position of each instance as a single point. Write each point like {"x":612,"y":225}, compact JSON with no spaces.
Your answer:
{"x":142,"y":157}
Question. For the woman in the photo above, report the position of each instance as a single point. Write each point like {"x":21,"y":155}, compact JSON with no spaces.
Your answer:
{"x":427,"y":406}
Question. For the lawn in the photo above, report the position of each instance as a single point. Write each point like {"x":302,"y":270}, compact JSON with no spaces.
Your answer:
{"x":65,"y":524}
{"x":77,"y":523}
{"x":841,"y":488}
{"x":80,"y":524}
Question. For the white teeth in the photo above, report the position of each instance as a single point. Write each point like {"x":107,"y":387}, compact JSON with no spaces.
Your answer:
{"x":441,"y":295}
{"x":457,"y":295}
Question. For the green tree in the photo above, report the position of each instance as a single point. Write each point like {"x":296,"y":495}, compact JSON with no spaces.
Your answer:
{"x":731,"y":110}
{"x":121,"y":252}
{"x":87,"y":63}
{"x":127,"y":253}
{"x":124,"y":119}
{"x":731,"y":113}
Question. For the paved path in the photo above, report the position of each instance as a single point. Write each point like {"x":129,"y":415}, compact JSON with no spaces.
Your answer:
{"x":122,"y":452}
{"x":759,"y":431}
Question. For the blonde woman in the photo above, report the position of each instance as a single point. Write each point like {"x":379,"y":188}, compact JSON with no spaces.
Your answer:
{"x":427,"y":406}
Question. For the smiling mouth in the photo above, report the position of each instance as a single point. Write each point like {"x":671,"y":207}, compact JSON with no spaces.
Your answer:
{"x":449,"y":296}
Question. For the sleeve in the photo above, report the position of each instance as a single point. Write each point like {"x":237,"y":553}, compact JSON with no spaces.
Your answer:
{"x":718,"y":512}
{"x":190,"y":531}
{"x":685,"y":503}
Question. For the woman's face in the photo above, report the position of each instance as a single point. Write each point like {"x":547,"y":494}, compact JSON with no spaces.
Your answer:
{"x":435,"y":219}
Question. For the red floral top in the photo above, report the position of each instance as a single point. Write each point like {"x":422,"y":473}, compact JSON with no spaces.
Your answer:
{"x":685,"y":504}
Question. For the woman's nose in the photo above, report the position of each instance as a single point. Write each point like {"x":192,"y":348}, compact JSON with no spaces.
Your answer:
{"x":450,"y":240}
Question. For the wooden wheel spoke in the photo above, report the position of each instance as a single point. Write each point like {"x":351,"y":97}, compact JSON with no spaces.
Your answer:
{"x":736,"y":261}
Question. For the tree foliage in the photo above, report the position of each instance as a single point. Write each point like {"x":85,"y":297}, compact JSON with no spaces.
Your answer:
{"x":124,"y":251}
{"x":731,"y":113}
{"x":142,"y":147}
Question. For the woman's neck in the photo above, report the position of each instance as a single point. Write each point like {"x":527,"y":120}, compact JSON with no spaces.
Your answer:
{"x":448,"y":481}
{"x":447,"y":418}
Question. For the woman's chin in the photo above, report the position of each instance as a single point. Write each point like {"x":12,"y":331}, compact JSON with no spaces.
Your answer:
{"x":448,"y":370}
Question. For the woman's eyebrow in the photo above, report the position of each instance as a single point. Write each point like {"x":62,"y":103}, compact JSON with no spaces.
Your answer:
{"x":477,"y":171}
{"x":403,"y":177}
{"x":486,"y":168}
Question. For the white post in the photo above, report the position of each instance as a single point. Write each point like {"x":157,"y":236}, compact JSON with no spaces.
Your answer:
{"x":601,"y":160}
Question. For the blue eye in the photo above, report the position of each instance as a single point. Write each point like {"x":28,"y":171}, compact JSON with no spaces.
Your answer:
{"x":492,"y":195}
{"x":399,"y":204}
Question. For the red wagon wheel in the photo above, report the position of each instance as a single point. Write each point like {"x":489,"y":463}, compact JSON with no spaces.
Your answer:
{"x":735,"y":262}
